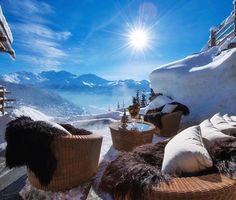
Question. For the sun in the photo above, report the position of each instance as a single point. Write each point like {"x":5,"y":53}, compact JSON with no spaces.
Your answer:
{"x":139,"y":39}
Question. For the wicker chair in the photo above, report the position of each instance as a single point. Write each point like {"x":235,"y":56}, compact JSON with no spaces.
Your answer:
{"x":170,"y":124}
{"x":210,"y":187}
{"x":77,"y":161}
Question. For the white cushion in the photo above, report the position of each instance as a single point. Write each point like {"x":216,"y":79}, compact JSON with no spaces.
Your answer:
{"x":229,"y":120}
{"x":168,"y":108}
{"x":219,"y":122}
{"x":58,"y":126}
{"x":211,"y":134}
{"x":186,"y":153}
{"x":233,"y":118}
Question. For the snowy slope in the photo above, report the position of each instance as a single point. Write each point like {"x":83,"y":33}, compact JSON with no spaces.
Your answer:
{"x":205,"y":82}
{"x":45,"y":101}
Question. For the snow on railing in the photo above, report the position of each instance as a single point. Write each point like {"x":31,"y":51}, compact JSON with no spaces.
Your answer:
{"x":226,"y":30}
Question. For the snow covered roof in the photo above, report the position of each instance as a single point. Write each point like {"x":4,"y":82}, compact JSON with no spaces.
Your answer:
{"x":6,"y":38}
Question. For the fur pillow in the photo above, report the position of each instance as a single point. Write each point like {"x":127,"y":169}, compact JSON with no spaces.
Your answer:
{"x":186,"y":153}
{"x":219,"y":122}
{"x":75,"y":131}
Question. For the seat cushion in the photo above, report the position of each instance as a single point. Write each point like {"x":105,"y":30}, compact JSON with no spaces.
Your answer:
{"x":186,"y":153}
{"x":219,"y":122}
{"x":229,"y":120}
{"x":211,"y":134}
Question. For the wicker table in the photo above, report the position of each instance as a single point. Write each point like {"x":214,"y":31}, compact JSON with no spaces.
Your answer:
{"x":128,"y":139}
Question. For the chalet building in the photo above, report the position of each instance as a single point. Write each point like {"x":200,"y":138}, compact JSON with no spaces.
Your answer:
{"x":6,"y":40}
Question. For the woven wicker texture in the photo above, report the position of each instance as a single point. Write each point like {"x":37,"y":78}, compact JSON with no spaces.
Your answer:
{"x":126,"y":140}
{"x":208,"y":187}
{"x":77,"y":161}
{"x":170,"y":124}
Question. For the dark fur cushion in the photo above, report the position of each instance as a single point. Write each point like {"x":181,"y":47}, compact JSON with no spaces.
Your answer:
{"x":75,"y":131}
{"x":154,"y":118}
{"x":181,"y":107}
{"x":29,"y":143}
{"x":223,"y":154}
{"x":133,"y":174}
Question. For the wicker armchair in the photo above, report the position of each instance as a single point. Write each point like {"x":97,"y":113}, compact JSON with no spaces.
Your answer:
{"x":170,"y":124}
{"x":77,"y":161}
{"x":210,"y":187}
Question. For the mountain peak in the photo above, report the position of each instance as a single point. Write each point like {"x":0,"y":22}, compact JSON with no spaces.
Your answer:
{"x":66,"y":80}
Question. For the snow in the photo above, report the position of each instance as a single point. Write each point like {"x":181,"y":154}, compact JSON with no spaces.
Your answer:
{"x":13,"y":78}
{"x":21,"y":111}
{"x":88,"y":84}
{"x":229,"y":19}
{"x":204,"y":82}
{"x":159,"y":101}
{"x":6,"y":26}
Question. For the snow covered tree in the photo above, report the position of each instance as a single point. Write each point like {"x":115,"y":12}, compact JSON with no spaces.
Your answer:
{"x":134,"y":101}
{"x":143,"y":100}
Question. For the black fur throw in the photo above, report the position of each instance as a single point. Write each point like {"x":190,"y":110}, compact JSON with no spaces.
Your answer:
{"x":223,"y":154}
{"x":29,"y":143}
{"x":75,"y":131}
{"x":154,"y":118}
{"x":133,"y":174}
{"x":181,"y":107}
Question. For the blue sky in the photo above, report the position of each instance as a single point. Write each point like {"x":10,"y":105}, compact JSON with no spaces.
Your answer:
{"x":88,"y":36}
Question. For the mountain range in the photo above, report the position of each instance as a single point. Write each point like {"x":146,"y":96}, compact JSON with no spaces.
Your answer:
{"x":68,"y":81}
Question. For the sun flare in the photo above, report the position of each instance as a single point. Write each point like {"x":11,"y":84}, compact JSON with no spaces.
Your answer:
{"x":139,"y":39}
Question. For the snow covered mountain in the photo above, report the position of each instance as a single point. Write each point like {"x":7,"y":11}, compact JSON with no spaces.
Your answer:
{"x":46,"y":101}
{"x":205,"y":82}
{"x":67,"y":80}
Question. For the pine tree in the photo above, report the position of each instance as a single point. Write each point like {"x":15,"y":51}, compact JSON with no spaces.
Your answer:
{"x":143,"y":100}
{"x":152,"y":94}
{"x":118,"y":105}
{"x":137,"y":97}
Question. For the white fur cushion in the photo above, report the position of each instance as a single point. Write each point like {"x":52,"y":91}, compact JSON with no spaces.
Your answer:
{"x":211,"y":134}
{"x":186,"y":153}
{"x":219,"y":122}
{"x":168,"y":108}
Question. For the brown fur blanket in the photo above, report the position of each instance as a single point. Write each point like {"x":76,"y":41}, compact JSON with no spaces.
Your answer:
{"x":134,"y":173}
{"x":29,"y":143}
